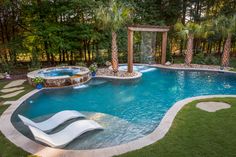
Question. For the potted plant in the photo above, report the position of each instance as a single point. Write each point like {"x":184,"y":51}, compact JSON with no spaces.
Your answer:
{"x":93,"y":69}
{"x":38,"y":81}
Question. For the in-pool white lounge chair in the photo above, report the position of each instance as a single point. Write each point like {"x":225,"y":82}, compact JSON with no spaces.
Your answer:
{"x":54,"y":121}
{"x":68,"y":134}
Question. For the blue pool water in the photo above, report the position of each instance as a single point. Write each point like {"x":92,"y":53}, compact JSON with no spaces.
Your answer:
{"x":127,"y":110}
{"x":59,"y":72}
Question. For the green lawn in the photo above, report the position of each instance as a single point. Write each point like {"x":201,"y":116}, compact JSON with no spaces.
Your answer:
{"x":7,"y":149}
{"x":196,"y":133}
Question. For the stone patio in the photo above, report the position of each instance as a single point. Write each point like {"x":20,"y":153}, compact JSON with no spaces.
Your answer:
{"x":8,"y":90}
{"x":14,"y":84}
{"x":12,"y":94}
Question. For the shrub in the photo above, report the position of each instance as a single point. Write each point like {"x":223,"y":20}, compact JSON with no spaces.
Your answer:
{"x":6,"y":67}
{"x":38,"y":80}
{"x":200,"y":58}
{"x":93,"y":67}
{"x":210,"y":59}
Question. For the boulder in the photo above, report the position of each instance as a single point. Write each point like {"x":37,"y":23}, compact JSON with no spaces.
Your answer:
{"x":168,"y":63}
{"x":1,"y":76}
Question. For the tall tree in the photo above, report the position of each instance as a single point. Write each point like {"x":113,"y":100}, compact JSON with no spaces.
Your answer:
{"x":189,"y":31}
{"x":113,"y":17}
{"x":226,"y":27}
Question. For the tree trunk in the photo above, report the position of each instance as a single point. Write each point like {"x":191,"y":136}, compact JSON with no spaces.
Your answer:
{"x":52,"y":59}
{"x":226,"y":53}
{"x":203,"y":46}
{"x":114,"y":53}
{"x":189,"y":51}
{"x":85,"y":51}
{"x":89,"y":50}
{"x":219,"y":46}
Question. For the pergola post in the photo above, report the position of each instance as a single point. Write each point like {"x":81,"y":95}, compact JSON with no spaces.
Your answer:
{"x":163,"y":48}
{"x":130,"y":51}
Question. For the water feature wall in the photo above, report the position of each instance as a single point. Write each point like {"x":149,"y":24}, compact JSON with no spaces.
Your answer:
{"x":148,"y":47}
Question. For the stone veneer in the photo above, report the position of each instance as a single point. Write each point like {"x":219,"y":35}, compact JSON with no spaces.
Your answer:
{"x":61,"y":81}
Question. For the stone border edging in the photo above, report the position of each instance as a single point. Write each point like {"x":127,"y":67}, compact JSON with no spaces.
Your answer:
{"x":192,"y":69}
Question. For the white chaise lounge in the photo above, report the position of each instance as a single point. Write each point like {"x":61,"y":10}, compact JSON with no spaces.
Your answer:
{"x":54,"y":121}
{"x":68,"y":134}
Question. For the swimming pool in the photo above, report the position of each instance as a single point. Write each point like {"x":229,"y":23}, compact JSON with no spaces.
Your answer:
{"x":127,"y":110}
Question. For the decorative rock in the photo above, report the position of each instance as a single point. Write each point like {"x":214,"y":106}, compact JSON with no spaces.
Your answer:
{"x":168,"y":63}
{"x":7,"y":76}
{"x":7,"y":90}
{"x":12,"y":94}
{"x":1,"y":76}
{"x":212,"y":106}
{"x":108,"y":63}
{"x":14,"y":83}
{"x":120,"y":73}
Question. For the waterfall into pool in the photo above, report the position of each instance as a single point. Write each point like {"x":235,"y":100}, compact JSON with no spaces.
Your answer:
{"x":148,"y":47}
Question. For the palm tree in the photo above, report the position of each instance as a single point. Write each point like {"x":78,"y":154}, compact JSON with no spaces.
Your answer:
{"x":226,"y":27}
{"x":189,"y":31}
{"x":113,"y":17}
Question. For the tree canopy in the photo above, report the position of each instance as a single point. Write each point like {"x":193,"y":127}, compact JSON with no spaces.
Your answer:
{"x":49,"y":32}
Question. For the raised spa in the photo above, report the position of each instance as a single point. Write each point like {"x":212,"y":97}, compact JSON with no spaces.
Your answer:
{"x":61,"y":76}
{"x":126,"y":110}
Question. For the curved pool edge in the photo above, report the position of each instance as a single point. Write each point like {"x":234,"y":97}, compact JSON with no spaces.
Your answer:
{"x":30,"y":146}
{"x":190,"y":69}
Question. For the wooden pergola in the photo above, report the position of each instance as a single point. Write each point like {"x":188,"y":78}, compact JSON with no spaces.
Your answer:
{"x":146,"y":28}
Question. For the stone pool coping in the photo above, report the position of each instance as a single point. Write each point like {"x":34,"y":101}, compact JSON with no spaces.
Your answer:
{"x":30,"y":146}
{"x":34,"y":73}
{"x":190,"y":68}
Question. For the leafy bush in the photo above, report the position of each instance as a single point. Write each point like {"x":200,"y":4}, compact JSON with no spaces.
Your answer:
{"x":93,"y":67}
{"x":100,"y":60}
{"x":200,"y":58}
{"x":38,"y":80}
{"x":6,"y":67}
{"x":210,"y":59}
